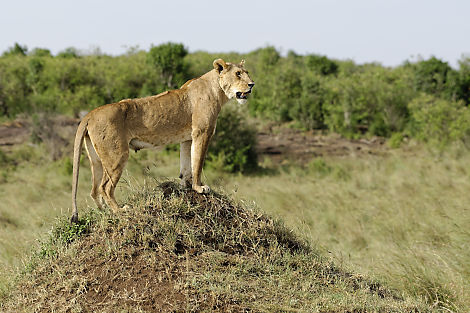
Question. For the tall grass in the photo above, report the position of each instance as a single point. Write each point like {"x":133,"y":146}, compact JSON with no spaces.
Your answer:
{"x":402,"y":218}
{"x":32,"y":194}
{"x":176,"y":250}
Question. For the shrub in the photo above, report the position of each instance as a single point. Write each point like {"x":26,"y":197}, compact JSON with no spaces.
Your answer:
{"x":431,"y":75}
{"x":373,"y":100}
{"x":438,"y":121}
{"x":321,"y":64}
{"x":319,"y":167}
{"x":308,"y":107}
{"x":395,"y":140}
{"x":4,"y":159}
{"x":233,"y":145}
{"x":169,"y":59}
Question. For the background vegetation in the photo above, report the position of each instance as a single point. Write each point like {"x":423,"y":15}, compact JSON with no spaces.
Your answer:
{"x":311,"y":90}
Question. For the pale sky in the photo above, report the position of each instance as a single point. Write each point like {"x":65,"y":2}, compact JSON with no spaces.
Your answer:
{"x":388,"y":32}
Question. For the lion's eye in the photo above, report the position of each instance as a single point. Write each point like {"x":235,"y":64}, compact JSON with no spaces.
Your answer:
{"x":239,"y":74}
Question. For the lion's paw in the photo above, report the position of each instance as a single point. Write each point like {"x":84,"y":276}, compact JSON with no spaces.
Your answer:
{"x":202,"y":189}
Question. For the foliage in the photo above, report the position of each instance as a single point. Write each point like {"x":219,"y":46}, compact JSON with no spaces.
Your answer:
{"x":233,"y":144}
{"x":312,"y":90}
{"x":17,"y":49}
{"x":321,"y":64}
{"x":69,"y":52}
{"x":395,"y":141}
{"x":169,"y":60}
{"x":460,"y":82}
{"x":431,"y":76}
{"x":308,"y":109}
{"x":440,"y":121}
{"x":66,"y":232}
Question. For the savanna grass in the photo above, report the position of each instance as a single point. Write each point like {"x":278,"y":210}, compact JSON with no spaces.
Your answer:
{"x":181,"y":251}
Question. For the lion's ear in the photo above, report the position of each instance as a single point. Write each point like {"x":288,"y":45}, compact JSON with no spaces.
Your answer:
{"x":219,"y":65}
{"x":242,"y":63}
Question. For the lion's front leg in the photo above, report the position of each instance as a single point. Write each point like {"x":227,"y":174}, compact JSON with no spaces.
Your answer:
{"x":198,"y":153}
{"x":185,"y":164}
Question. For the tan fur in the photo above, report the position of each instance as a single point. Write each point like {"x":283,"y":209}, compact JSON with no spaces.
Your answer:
{"x":187,"y":115}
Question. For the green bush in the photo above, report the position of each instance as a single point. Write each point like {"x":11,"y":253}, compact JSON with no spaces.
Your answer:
{"x":371,"y":100}
{"x":308,"y":107}
{"x":438,"y":121}
{"x":321,"y":64}
{"x":169,"y":60}
{"x":395,"y":140}
{"x":431,"y":75}
{"x":312,"y":91}
{"x":319,"y":167}
{"x":459,"y":82}
{"x":233,"y":146}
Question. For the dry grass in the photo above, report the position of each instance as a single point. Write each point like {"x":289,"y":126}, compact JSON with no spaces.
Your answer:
{"x":401,"y":219}
{"x":32,"y":194}
{"x":176,"y":250}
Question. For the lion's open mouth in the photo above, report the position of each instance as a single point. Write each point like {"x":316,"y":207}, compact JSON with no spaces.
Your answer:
{"x":243,"y":95}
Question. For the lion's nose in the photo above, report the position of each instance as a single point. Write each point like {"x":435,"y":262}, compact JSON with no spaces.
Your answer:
{"x":251,"y":85}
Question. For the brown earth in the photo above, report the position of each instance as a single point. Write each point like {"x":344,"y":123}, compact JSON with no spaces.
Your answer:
{"x":279,"y":143}
{"x":282,"y":144}
{"x":13,"y":133}
{"x":56,"y":132}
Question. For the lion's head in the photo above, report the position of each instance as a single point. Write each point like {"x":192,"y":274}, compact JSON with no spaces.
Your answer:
{"x":234,"y":80}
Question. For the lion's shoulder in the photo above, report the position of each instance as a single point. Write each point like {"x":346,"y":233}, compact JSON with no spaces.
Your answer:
{"x":186,"y":84}
{"x":162,"y":94}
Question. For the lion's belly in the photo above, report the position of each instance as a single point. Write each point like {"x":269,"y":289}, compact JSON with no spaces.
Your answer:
{"x":136,"y":144}
{"x":162,"y":139}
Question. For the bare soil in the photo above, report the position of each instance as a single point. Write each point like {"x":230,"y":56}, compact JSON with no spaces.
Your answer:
{"x":57,"y":131}
{"x":13,"y":133}
{"x":282,"y":144}
{"x":279,"y":143}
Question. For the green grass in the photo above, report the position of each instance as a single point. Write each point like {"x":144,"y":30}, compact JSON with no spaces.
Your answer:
{"x":401,"y":219}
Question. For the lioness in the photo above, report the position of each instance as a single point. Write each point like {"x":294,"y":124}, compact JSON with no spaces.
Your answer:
{"x":187,"y":115}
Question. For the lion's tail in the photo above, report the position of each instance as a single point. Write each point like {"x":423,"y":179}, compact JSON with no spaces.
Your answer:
{"x":77,"y":151}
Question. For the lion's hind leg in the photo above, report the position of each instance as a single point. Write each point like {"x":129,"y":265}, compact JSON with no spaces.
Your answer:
{"x":96,"y":172}
{"x":113,"y":162}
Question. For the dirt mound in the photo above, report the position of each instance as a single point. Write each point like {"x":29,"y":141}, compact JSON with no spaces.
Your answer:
{"x":176,"y":250}
{"x":56,"y":132}
{"x":281,"y":143}
{"x":13,"y":133}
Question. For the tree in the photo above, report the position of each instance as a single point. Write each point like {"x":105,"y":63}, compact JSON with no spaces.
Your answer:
{"x":439,"y":121}
{"x":70,"y":52}
{"x":233,"y":146}
{"x":17,"y":49}
{"x":169,"y":59}
{"x":321,"y":64}
{"x":41,"y":52}
{"x":460,"y":82}
{"x":308,"y":109}
{"x":431,"y":76}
